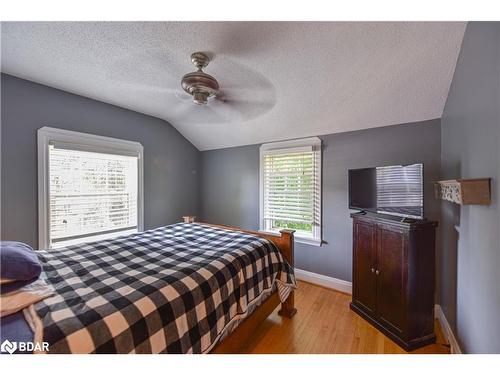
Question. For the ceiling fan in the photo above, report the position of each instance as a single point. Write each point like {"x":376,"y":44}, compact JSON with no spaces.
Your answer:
{"x":200,"y":84}
{"x":238,"y":101}
{"x":245,"y":94}
{"x":239,"y":93}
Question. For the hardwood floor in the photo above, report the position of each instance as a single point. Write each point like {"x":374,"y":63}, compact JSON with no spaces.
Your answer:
{"x":325,"y":324}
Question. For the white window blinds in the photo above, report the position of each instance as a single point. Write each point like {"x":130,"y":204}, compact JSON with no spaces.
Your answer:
{"x":91,"y":194}
{"x":291,"y":190}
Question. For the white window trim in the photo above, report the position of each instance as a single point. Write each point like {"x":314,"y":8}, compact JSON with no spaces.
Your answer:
{"x":285,"y":147}
{"x":84,"y":142}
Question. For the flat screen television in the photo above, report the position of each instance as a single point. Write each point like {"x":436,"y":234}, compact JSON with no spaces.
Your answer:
{"x":392,"y":190}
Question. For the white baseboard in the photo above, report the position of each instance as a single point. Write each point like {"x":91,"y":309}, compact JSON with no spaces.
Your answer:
{"x":447,"y":331}
{"x":322,"y":280}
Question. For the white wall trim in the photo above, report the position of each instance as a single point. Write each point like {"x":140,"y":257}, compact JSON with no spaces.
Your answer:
{"x":447,"y":331}
{"x":299,"y":142}
{"x":322,"y":280}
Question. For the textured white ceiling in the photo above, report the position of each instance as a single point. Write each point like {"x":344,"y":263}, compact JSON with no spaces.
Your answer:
{"x":283,"y":80}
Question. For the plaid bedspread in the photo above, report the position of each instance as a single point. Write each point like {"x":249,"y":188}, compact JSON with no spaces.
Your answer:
{"x":169,"y":290}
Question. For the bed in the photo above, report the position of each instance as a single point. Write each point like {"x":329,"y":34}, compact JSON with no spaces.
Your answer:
{"x":184,"y":288}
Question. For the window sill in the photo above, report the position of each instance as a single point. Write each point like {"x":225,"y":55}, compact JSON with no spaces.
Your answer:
{"x":300,"y":239}
{"x":93,"y":238}
{"x":309,"y":241}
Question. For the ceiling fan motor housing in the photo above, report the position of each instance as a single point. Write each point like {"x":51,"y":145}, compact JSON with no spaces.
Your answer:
{"x":199,"y":84}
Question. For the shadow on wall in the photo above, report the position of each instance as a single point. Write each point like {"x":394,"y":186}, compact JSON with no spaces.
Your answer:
{"x":448,"y":260}
{"x":449,"y":231}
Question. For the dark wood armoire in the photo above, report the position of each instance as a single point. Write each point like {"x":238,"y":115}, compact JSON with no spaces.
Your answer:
{"x":394,"y":277}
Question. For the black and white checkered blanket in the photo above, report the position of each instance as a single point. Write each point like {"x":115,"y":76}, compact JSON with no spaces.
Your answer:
{"x":169,"y":290}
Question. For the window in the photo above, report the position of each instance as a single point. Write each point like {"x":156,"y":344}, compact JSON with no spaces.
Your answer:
{"x":90,"y":187}
{"x":290,"y":195}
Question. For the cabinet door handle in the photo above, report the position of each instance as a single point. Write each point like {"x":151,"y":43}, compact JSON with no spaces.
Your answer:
{"x":377,"y":272}
{"x":373,"y":270}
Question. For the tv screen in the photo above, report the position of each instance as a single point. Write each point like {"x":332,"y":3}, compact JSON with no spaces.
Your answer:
{"x":393,"y":190}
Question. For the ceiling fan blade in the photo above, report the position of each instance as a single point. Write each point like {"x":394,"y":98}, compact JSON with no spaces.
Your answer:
{"x":187,"y":112}
{"x":149,"y":88}
{"x":226,"y":111}
{"x":235,"y":75}
{"x":181,"y":109}
{"x":248,"y":95}
{"x":216,"y":115}
{"x":243,"y":109}
{"x":249,"y":102}
{"x":148,"y":68}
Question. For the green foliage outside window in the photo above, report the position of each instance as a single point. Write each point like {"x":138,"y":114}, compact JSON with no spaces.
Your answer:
{"x":291,"y":225}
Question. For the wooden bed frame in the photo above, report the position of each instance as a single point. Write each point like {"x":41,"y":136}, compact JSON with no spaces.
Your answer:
{"x":236,"y":339}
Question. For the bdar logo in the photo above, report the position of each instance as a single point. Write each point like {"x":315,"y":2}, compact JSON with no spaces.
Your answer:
{"x":9,"y":347}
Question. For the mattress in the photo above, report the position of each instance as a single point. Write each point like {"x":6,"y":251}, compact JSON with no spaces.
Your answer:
{"x":175,"y":289}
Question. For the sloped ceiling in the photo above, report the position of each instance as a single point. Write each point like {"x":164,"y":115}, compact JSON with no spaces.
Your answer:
{"x":283,"y":80}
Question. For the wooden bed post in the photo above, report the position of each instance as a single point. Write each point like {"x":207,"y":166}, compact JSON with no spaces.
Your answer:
{"x":288,"y":307}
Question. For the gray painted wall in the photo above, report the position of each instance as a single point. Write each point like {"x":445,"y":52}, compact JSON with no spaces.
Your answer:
{"x":470,"y":263}
{"x":229,"y":192}
{"x":170,"y":161}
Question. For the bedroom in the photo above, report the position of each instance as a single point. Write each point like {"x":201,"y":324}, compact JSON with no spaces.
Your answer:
{"x":250,"y":187}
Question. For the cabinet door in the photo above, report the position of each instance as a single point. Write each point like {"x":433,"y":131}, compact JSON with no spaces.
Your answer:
{"x":365,"y":252}
{"x":391,"y":277}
